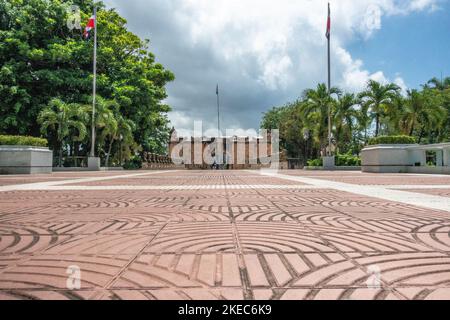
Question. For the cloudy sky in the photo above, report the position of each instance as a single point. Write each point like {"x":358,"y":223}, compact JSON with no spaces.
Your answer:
{"x":264,"y":53}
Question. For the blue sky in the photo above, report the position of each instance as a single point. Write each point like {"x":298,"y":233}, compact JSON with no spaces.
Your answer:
{"x":415,"y":46}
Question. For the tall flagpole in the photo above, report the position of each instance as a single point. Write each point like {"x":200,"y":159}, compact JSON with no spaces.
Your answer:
{"x":218,"y":111}
{"x":94,"y":87}
{"x":329,"y":81}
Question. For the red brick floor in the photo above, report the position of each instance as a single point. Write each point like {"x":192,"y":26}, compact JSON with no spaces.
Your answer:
{"x":225,"y":243}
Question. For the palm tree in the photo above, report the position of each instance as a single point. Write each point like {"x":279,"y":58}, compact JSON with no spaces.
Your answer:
{"x":105,"y":119}
{"x":119,"y":129}
{"x":128,"y":146}
{"x":344,"y":115}
{"x":399,"y":111}
{"x":376,"y":97}
{"x":416,"y":105}
{"x":62,"y":118}
{"x":110,"y":132}
{"x":111,"y":127}
{"x":315,"y":112}
{"x":432,"y":113}
{"x":440,"y":85}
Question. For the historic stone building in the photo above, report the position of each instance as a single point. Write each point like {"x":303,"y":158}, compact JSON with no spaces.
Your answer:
{"x":227,"y":152}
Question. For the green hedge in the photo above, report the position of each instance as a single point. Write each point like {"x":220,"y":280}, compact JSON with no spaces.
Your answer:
{"x":348,"y":160}
{"x":134,"y":163}
{"x":342,"y":160}
{"x":315,"y":163}
{"x":23,"y":141}
{"x":392,"y":140}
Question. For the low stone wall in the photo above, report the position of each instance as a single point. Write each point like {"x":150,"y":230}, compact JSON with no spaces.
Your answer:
{"x":401,"y":159}
{"x":25,"y":160}
{"x":386,"y":159}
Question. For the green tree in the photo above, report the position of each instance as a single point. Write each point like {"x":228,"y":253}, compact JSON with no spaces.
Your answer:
{"x":376,"y":98}
{"x":399,"y":116}
{"x":423,"y":114}
{"x":288,"y":120}
{"x":61,"y":117}
{"x":416,"y":105}
{"x":440,"y":85}
{"x":315,"y":112}
{"x":430,"y":114}
{"x":127,"y":146}
{"x":344,"y":117}
{"x":441,"y":90}
{"x":42,"y":59}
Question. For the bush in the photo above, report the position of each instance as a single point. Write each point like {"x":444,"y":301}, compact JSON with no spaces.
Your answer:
{"x":348,"y":160}
{"x":342,"y":160}
{"x":392,"y":140}
{"x":315,"y":163}
{"x":134,"y":163}
{"x":23,"y":141}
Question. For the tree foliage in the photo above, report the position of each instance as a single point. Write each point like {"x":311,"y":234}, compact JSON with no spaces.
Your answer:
{"x":421,"y":115}
{"x":42,"y":59}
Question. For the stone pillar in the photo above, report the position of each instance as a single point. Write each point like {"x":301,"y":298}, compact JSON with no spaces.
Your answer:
{"x":329,"y":163}
{"x":94,"y":164}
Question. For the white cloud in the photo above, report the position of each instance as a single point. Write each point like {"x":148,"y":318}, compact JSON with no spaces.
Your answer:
{"x":401,"y":83}
{"x":417,"y":5}
{"x":371,"y":20}
{"x":263,"y":52}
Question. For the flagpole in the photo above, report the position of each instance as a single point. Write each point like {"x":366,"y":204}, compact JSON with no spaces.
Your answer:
{"x":218,"y":112}
{"x":329,"y":88}
{"x":94,"y":84}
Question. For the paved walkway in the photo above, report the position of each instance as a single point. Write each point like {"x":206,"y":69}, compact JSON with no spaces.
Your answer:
{"x":224,"y":235}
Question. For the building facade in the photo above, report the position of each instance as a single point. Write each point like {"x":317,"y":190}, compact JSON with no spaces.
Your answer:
{"x":226,"y":152}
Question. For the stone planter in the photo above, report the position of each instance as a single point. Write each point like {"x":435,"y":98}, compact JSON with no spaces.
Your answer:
{"x":386,"y":158}
{"x":25,"y":160}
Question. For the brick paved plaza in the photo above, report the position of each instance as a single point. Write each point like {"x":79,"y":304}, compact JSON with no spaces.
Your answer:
{"x":225,"y":235}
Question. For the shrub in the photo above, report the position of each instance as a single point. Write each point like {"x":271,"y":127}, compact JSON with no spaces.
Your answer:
{"x":134,"y":163}
{"x":347,"y":160}
{"x":23,"y":141}
{"x":342,"y":160}
{"x":315,"y":163}
{"x":392,"y":140}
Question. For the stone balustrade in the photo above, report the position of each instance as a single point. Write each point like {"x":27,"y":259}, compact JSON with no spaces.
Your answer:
{"x":152,"y":161}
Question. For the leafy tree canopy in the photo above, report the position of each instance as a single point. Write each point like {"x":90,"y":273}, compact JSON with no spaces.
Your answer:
{"x":421,"y":115}
{"x":42,"y":59}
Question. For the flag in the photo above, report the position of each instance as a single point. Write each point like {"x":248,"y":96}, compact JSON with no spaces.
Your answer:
{"x":89,"y":26}
{"x":328,"y":33}
{"x":217,"y":90}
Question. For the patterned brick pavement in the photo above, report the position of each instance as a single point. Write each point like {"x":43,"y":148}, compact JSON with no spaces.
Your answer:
{"x":225,"y":235}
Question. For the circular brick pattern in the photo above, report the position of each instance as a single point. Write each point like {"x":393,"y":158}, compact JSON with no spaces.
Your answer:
{"x":221,"y":235}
